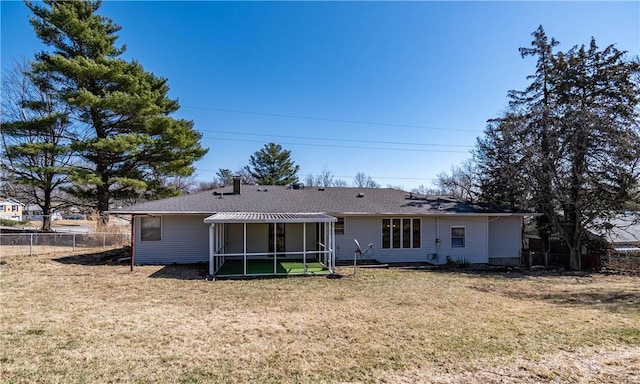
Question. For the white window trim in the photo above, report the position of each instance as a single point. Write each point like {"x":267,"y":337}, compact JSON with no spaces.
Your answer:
{"x":161,"y":229}
{"x":464,"y":239}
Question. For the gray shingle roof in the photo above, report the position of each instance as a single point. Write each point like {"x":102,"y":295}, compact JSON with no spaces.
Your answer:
{"x":623,"y":229}
{"x":332,"y":201}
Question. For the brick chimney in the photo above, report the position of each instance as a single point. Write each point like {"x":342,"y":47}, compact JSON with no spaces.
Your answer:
{"x":236,"y":185}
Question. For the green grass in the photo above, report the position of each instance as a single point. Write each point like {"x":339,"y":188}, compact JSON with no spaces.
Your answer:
{"x":265,"y":267}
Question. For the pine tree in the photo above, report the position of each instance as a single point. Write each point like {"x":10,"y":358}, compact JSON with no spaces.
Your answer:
{"x":272,"y":165}
{"x":499,"y":157}
{"x":123,"y":110}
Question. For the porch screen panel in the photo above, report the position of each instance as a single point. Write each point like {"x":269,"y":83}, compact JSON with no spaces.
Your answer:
{"x":320,"y":236}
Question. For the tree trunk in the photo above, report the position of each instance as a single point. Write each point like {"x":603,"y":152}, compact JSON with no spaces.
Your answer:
{"x":103,"y":204}
{"x":46,"y":211}
{"x":574,"y":258}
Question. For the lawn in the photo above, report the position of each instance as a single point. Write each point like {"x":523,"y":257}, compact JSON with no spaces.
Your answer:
{"x":70,"y":322}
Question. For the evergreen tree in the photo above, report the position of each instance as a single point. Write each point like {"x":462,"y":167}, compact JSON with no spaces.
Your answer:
{"x":36,"y":142}
{"x":572,"y":136}
{"x":123,"y":110}
{"x":272,"y":165}
{"x":499,"y":158}
{"x":224,"y":176}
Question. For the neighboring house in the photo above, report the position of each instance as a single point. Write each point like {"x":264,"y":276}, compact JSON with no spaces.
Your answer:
{"x":34,"y":212}
{"x":11,"y":209}
{"x":622,"y":233}
{"x":245,"y":223}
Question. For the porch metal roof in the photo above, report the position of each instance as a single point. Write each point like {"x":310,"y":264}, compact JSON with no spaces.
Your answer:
{"x":255,"y":217}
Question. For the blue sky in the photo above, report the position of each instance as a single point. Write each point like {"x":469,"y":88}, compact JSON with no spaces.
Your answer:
{"x":397,"y":90}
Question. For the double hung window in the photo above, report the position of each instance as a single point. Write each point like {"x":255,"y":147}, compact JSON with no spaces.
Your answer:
{"x":458,"y":235}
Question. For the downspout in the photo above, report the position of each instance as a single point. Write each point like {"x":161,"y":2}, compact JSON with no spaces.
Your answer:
{"x":438,"y":238}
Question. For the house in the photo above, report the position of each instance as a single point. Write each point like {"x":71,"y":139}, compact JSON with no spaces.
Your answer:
{"x":34,"y":212}
{"x":11,"y":209}
{"x":622,"y":233}
{"x":241,"y":225}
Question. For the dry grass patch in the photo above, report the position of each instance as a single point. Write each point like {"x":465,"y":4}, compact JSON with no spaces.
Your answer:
{"x":66,"y":322}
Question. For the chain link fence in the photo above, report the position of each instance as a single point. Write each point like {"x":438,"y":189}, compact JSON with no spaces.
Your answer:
{"x":29,"y":244}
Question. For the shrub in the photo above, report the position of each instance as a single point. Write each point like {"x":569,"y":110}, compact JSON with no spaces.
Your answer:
{"x":11,"y":223}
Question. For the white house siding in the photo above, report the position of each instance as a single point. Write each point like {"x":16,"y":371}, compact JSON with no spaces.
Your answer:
{"x":368,"y":230}
{"x":505,"y":239}
{"x":185,"y":239}
{"x":475,"y":249}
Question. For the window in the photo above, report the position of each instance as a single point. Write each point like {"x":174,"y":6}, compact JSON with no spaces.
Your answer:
{"x":279,"y":228}
{"x":14,"y":208}
{"x":457,"y":237}
{"x":395,"y":235}
{"x":406,"y":233}
{"x":1,"y":208}
{"x":416,"y":233}
{"x":401,"y":233}
{"x":339,"y":226}
{"x":150,"y":228}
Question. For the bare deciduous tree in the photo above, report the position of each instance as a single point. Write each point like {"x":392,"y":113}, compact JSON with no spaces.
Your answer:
{"x":364,"y":181}
{"x":461,"y":183}
{"x":36,"y":137}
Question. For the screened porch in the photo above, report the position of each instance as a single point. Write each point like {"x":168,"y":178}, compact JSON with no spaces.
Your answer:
{"x":258,"y":244}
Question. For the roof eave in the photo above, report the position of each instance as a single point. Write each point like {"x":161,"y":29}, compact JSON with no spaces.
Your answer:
{"x":124,"y":212}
